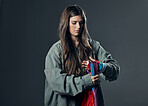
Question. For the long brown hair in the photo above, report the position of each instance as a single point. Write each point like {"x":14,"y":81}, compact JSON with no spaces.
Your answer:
{"x":73,"y":56}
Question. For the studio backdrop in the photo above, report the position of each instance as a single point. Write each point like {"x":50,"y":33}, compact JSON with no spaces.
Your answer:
{"x":28,"y":28}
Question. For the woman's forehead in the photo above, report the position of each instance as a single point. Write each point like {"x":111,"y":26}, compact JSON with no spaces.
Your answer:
{"x":76,"y":18}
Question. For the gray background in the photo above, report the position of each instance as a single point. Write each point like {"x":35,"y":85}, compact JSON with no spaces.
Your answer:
{"x":28,"y":28}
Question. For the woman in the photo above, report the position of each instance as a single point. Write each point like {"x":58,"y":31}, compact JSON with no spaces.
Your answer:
{"x":66,"y":63}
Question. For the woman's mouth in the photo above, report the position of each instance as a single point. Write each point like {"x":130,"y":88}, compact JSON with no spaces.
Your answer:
{"x":77,"y":31}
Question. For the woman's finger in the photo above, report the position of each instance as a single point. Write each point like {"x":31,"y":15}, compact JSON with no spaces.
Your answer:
{"x":96,"y":76}
{"x":84,"y":63}
{"x":96,"y":79}
{"x":91,"y":59}
{"x":86,"y":68}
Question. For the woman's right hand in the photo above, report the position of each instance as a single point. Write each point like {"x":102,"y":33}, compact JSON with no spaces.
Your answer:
{"x":95,"y":79}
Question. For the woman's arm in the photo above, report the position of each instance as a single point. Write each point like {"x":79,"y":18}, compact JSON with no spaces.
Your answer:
{"x":60,"y":82}
{"x":111,"y":71}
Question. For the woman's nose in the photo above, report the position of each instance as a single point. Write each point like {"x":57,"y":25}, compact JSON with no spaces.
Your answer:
{"x":78,"y":25}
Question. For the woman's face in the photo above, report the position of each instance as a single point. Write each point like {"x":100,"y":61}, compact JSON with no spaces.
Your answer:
{"x":75,"y":25}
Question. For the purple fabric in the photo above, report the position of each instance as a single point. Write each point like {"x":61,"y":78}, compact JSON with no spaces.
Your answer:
{"x":95,"y":69}
{"x":95,"y":92}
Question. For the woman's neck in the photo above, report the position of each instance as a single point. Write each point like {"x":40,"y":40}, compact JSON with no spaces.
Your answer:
{"x":75,"y":40}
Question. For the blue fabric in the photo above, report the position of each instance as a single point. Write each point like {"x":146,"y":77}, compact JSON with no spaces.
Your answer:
{"x":92,"y":71}
{"x":100,"y":66}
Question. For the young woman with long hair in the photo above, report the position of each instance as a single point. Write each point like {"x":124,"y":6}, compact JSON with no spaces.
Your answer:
{"x":66,"y":65}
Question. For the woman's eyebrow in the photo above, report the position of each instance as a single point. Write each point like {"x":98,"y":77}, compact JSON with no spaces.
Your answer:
{"x":76,"y":21}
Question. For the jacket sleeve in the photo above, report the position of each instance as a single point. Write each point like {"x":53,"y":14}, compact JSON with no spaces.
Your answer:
{"x":112,"y":69}
{"x":60,"y":82}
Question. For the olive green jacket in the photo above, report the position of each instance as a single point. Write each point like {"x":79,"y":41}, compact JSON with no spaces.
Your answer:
{"x":64,"y":90}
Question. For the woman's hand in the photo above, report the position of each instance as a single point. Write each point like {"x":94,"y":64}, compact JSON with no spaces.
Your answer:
{"x":85,"y":64}
{"x":95,"y":79}
{"x":91,"y":59}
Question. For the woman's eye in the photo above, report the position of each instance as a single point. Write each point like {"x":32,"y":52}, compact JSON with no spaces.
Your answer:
{"x":74,"y":23}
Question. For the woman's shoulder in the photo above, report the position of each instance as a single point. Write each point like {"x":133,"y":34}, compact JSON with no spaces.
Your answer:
{"x":94,"y":43}
{"x":56,"y":47}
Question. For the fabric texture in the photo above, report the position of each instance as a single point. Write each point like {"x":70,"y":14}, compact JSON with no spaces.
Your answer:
{"x":94,"y":70}
{"x":64,"y":90}
{"x":91,"y":95}
{"x":88,"y":99}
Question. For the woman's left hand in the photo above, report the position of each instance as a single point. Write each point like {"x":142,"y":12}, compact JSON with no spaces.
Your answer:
{"x":84,"y":64}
